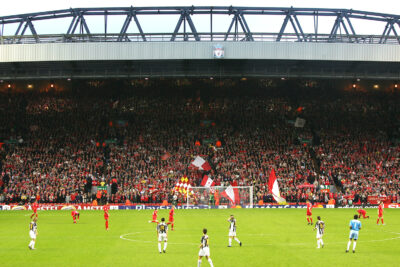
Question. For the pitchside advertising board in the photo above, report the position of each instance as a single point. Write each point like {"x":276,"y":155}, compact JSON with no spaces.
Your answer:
{"x":152,"y":207}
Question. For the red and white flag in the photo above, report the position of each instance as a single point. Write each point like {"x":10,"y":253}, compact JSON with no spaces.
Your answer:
{"x":274,"y":187}
{"x":183,"y":186}
{"x":232,"y":194}
{"x":207,"y":181}
{"x":200,"y":164}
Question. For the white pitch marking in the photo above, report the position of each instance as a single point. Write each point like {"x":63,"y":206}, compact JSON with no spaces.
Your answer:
{"x":123,"y":236}
{"x":290,"y":244}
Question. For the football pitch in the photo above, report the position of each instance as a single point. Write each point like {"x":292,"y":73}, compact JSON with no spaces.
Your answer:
{"x":270,"y":237}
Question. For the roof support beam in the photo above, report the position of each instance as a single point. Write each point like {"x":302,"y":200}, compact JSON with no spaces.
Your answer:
{"x":125,"y":26}
{"x":245,"y":27}
{"x":239,"y":29}
{"x":282,"y":30}
{"x":185,"y":17}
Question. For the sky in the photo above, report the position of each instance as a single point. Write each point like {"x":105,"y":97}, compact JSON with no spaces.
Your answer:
{"x":167,"y":23}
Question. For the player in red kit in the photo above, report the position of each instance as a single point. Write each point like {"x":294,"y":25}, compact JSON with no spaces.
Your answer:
{"x":106,"y":208}
{"x":75,"y":215}
{"x":154,"y":217}
{"x":362,"y":213}
{"x":309,"y":213}
{"x":380,"y":213}
{"x":35,"y":206}
{"x":171,"y":218}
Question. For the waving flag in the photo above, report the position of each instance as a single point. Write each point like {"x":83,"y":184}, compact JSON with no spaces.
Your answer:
{"x":232,"y":194}
{"x":183,"y":186}
{"x":274,"y":187}
{"x":200,"y":164}
{"x":207,"y":181}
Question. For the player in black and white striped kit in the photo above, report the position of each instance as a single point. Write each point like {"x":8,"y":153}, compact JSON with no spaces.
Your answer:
{"x":204,"y":249}
{"x":232,"y":231}
{"x":162,"y":233}
{"x":33,"y":233}
{"x":320,"y":227}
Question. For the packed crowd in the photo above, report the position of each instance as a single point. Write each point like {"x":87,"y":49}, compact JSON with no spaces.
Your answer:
{"x":58,"y":147}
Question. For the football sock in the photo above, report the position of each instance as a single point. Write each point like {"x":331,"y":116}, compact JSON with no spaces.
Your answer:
{"x":311,"y":220}
{"x":237,"y":240}
{"x":348,"y":245}
{"x":317,"y":243}
{"x":172,"y":226}
{"x":308,"y":219}
{"x":382,"y":220}
{"x":230,"y":241}
{"x":321,"y":242}
{"x":377,"y":221}
{"x":106,"y":224}
{"x":30,"y":243}
{"x":165,"y":246}
{"x":198,"y":263}
{"x":210,"y":261}
{"x":33,"y":244}
{"x":159,"y":247}
{"x":354,"y":245}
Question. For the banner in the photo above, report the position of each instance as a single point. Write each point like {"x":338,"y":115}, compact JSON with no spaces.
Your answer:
{"x":325,"y":188}
{"x":57,"y":207}
{"x":299,"y":123}
{"x":49,"y":207}
{"x":376,"y":199}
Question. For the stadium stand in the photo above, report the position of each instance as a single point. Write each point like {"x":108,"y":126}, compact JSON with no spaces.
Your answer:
{"x":139,"y":142}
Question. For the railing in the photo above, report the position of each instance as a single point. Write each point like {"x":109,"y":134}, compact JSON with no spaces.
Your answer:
{"x":204,"y":37}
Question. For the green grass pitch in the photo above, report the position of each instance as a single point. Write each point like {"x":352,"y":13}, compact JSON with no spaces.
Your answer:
{"x":271,"y":237}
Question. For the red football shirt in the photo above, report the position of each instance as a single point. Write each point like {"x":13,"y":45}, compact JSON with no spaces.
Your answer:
{"x":155,"y":214}
{"x":380,"y":209}
{"x":106,"y":209}
{"x":35,"y":207}
{"x":309,"y":207}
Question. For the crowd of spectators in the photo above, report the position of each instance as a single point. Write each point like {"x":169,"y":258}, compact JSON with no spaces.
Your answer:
{"x":57,"y":147}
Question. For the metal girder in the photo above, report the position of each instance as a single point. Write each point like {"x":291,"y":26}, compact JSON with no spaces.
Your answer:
{"x":386,"y":32}
{"x":283,"y":27}
{"x":292,"y":17}
{"x":24,"y":25}
{"x":390,"y":27}
{"x":178,"y":26}
{"x":346,"y":15}
{"x":300,"y":28}
{"x":339,"y":22}
{"x":78,"y":19}
{"x":238,"y":19}
{"x":246,"y":28}
{"x":239,"y":29}
{"x":185,"y":17}
{"x":125,"y":26}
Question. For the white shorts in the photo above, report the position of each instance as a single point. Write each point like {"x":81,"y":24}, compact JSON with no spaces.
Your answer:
{"x":231,"y":233}
{"x":319,"y":235}
{"x":204,"y":252}
{"x":353,"y":234}
{"x":32,"y":235}
{"x":162,"y":237}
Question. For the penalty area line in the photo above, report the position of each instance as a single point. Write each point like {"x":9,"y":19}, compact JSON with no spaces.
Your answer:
{"x":123,"y":237}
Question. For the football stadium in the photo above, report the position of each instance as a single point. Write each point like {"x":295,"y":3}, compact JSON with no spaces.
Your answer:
{"x":200,"y":136}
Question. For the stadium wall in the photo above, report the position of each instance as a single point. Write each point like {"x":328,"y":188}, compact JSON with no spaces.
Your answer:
{"x":92,"y":51}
